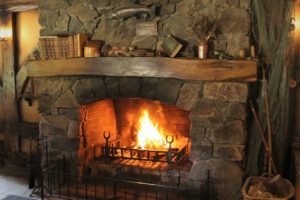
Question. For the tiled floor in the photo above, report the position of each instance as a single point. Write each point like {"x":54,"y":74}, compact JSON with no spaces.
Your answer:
{"x":13,"y":180}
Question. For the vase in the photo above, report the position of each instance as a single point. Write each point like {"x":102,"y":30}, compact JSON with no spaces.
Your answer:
{"x":203,"y":50}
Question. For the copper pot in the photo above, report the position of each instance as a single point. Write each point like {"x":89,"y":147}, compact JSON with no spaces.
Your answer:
{"x":203,"y":50}
{"x":91,"y":51}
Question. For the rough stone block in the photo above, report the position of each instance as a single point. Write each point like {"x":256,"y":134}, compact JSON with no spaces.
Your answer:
{"x":53,"y":125}
{"x":205,"y":114}
{"x":228,"y":175}
{"x":168,"y":90}
{"x":188,"y":95}
{"x":47,"y":18}
{"x":89,"y":89}
{"x":175,"y":1}
{"x":112,"y":87}
{"x":235,"y":21}
{"x":245,"y":4}
{"x":75,"y":26}
{"x":53,"y":4}
{"x":52,"y":86}
{"x":63,"y":144}
{"x":116,"y":32}
{"x":145,"y":42}
{"x":58,"y":121}
{"x":129,"y":87}
{"x":233,"y":3}
{"x":222,"y":3}
{"x":54,"y":111}
{"x":233,"y":133}
{"x":62,"y":22}
{"x":237,"y":42}
{"x":99,"y":88}
{"x":73,"y":129}
{"x":148,"y":88}
{"x":229,"y":152}
{"x":220,"y":44}
{"x":67,"y":100}
{"x":102,"y":6}
{"x":198,"y":152}
{"x":44,"y":127}
{"x":83,"y":91}
{"x":232,"y":110}
{"x":197,"y":135}
{"x":84,"y":12}
{"x":72,"y":114}
{"x":155,"y":2}
{"x":45,"y":103}
{"x":234,"y":92}
{"x":168,"y":9}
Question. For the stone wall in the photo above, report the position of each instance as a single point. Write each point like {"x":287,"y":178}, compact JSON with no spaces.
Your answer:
{"x":217,"y":113}
{"x":90,"y":16}
{"x":217,"y":110}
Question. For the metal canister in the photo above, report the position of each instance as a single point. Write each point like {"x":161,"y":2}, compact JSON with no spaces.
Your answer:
{"x":91,"y":51}
{"x":203,"y":50}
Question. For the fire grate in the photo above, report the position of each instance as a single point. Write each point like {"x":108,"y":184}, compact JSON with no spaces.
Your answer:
{"x":112,"y":150}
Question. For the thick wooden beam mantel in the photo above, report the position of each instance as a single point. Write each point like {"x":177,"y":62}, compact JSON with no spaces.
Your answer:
{"x":187,"y":69}
{"x":17,"y":5}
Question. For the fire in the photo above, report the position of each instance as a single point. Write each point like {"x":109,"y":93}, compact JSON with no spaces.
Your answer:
{"x":149,"y":137}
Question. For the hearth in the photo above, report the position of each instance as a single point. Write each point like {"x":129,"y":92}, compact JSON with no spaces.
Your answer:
{"x":206,"y":119}
{"x":136,"y":129}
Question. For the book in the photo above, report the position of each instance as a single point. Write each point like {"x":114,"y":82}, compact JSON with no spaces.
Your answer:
{"x":57,"y":47}
{"x":50,"y":48}
{"x":71,"y":47}
{"x":65,"y":47}
{"x":171,"y":46}
{"x":48,"y":43}
{"x":42,"y":48}
{"x":79,"y":42}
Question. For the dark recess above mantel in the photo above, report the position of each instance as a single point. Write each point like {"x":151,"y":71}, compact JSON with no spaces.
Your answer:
{"x":187,"y":69}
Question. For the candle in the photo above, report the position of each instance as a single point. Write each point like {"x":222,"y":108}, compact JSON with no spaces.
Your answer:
{"x":242,"y":53}
{"x":252,"y":51}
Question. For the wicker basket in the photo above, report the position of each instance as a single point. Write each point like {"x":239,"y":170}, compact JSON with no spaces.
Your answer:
{"x":289,"y":189}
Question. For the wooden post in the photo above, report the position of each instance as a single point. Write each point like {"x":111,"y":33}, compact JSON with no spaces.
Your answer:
{"x":9,"y":85}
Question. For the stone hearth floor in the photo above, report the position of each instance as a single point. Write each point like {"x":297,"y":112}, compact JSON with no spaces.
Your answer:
{"x":14,"y":181}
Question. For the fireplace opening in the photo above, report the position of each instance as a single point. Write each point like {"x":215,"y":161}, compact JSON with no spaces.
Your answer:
{"x":135,"y":132}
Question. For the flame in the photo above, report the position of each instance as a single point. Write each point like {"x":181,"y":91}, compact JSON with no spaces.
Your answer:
{"x":148,"y":136}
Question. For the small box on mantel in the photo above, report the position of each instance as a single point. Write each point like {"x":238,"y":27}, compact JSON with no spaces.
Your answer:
{"x":171,"y":46}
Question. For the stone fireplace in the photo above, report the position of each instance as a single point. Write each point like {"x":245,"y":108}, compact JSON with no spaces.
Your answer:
{"x":212,"y":115}
{"x":209,"y":113}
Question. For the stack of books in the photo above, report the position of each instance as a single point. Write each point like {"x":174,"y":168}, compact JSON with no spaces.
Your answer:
{"x":61,"y":47}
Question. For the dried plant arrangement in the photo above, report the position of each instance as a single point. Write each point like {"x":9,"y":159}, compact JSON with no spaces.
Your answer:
{"x":202,"y":25}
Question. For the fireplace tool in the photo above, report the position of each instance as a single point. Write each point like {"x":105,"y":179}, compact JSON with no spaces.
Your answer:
{"x":169,"y":153}
{"x":35,"y":167}
{"x":106,"y":149}
{"x":31,"y":182}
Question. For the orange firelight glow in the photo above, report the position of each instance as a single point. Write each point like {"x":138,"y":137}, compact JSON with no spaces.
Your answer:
{"x":149,"y":136}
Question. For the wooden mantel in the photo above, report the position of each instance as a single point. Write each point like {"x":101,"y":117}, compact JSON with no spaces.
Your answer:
{"x":17,"y":5}
{"x":187,"y":69}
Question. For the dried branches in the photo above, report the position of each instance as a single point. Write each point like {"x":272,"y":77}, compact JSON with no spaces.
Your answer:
{"x":203,"y":26}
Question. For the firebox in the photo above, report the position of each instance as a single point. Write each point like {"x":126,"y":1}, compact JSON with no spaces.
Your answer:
{"x":135,"y":129}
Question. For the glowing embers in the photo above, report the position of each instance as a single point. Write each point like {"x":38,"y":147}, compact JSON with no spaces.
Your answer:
{"x":149,"y":136}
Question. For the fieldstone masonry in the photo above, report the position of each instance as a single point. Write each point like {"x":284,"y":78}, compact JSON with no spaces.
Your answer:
{"x":218,"y":110}
{"x":61,"y":17}
{"x":217,"y":114}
